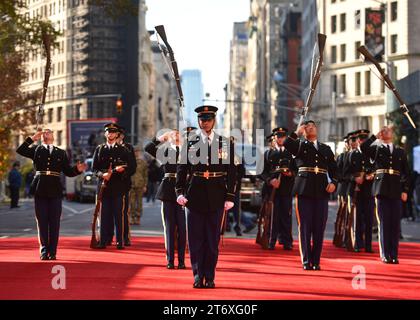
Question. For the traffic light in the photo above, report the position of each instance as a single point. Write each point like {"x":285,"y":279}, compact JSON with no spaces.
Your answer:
{"x":119,"y":105}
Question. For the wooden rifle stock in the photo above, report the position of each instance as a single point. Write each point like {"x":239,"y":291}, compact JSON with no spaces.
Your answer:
{"x":265,"y":218}
{"x":94,"y":241}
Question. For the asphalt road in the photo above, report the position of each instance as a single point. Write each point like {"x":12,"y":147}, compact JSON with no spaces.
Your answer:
{"x":76,"y":220}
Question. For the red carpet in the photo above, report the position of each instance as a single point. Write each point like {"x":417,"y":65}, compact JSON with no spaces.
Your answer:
{"x":244,"y":272}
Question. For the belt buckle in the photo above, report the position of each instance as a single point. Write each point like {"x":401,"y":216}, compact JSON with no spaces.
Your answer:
{"x":316,"y":170}
{"x":206,"y":174}
{"x":391,"y":171}
{"x":48,"y":172}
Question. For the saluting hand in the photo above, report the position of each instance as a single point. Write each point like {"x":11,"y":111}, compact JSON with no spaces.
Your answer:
{"x":301,"y":130}
{"x":37,"y":135}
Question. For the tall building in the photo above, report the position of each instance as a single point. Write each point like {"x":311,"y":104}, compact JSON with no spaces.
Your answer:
{"x":192,"y":87}
{"x":361,"y":98}
{"x":236,"y":102}
{"x":91,"y":66}
{"x":273,"y":68}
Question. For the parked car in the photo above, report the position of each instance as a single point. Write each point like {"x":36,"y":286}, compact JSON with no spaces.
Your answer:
{"x":252,"y":158}
{"x":85,"y":184}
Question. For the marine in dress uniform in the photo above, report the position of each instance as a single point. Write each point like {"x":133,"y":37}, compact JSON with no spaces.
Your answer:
{"x":49,"y":162}
{"x":390,"y":187}
{"x":111,"y":154}
{"x":173,"y":214}
{"x":359,"y":171}
{"x":280,"y":162}
{"x":127,"y":180}
{"x":315,"y":180}
{"x":209,"y":160}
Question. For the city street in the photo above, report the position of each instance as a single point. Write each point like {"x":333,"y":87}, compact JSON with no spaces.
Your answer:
{"x":76,"y":219}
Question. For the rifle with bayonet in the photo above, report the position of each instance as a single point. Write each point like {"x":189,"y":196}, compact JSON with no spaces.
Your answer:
{"x":368,"y":56}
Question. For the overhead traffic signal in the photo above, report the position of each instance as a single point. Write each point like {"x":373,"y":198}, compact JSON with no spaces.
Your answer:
{"x":119,"y":105}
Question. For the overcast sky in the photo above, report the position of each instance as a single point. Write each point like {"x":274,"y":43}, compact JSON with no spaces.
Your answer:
{"x":199,"y":32}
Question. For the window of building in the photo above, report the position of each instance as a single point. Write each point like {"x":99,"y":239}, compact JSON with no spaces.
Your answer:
{"x":333,"y":24}
{"x":394,"y":10}
{"x":395,"y":73}
{"x":357,"y":19}
{"x":59,"y":137}
{"x":343,"y":52}
{"x":333,"y":54}
{"x":343,"y":85}
{"x":342,"y":22}
{"x":364,"y":122}
{"x":394,"y":43}
{"x":334,"y":83}
{"x":50,"y":115}
{"x":357,"y":44}
{"x":357,"y":84}
{"x":367,"y":82}
{"x":59,"y":114}
{"x":341,"y":126}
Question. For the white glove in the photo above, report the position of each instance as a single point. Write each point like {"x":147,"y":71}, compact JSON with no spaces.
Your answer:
{"x":229,"y":205}
{"x":182,"y":201}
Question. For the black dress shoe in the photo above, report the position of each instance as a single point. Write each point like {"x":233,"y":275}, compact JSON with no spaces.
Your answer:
{"x":316,"y":267}
{"x":249,"y":228}
{"x":270,"y":247}
{"x":307,"y":266}
{"x":120,"y":246}
{"x":53,"y":257}
{"x":170,"y":265}
{"x":369,"y":250}
{"x":395,"y":261}
{"x":238,"y":232}
{"x":386,"y":260}
{"x":181,"y":265}
{"x":198,"y":283}
{"x":127,"y":243}
{"x":109,"y":243}
{"x":288,"y":247}
{"x":101,"y":246}
{"x":210,"y":284}
{"x":356,"y":250}
{"x":44,"y":257}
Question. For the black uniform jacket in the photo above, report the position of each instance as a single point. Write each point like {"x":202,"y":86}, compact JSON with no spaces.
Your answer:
{"x":127,"y":177}
{"x":166,"y":190}
{"x":207,"y":194}
{"x":47,"y":185}
{"x":343,"y":181}
{"x":103,"y":157}
{"x":274,"y":162}
{"x":357,"y":164}
{"x":385,"y":184}
{"x":311,"y":184}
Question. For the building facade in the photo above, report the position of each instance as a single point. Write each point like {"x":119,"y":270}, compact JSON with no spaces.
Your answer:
{"x":362,"y":101}
{"x":192,"y":88}
{"x":90,"y":68}
{"x":236,"y":98}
